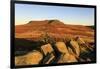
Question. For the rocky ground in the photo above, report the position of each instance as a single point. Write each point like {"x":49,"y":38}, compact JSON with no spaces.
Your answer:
{"x":75,"y":50}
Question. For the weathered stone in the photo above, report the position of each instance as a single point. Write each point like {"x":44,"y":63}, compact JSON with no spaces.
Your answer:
{"x":66,"y":56}
{"x":29,"y":59}
{"x":62,"y":47}
{"x":80,"y":40}
{"x":67,"y":59}
{"x":75,"y":47}
{"x":49,"y":58}
{"x":84,"y":44}
{"x":47,"y":49}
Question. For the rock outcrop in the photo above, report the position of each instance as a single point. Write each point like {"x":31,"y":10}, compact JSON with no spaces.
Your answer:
{"x":31,"y":58}
{"x":75,"y":51}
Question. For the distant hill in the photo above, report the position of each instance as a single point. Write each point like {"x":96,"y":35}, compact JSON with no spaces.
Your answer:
{"x":54,"y":28}
{"x":46,"y":21}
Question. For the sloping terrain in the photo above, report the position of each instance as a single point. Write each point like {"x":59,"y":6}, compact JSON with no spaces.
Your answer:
{"x":55,"y":28}
{"x":52,"y":41}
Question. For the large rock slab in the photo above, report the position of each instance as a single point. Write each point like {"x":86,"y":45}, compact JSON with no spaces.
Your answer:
{"x":47,"y":49}
{"x":31,"y":58}
{"x":67,"y":55}
{"x":75,"y":47}
{"x":68,"y":58}
{"x":61,"y":47}
{"x":48,"y":52}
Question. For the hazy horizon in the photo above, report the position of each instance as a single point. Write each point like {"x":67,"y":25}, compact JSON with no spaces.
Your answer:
{"x":68,"y":15}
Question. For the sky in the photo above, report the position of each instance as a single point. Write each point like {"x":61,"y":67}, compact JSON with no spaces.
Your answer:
{"x":69,"y":15}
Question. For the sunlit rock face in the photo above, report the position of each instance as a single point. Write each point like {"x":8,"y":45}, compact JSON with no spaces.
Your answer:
{"x":29,"y":59}
{"x":75,"y":47}
{"x":47,"y":49}
{"x":61,"y":47}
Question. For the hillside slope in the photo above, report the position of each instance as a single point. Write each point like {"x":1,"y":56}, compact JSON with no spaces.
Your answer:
{"x":54,"y":28}
{"x":52,"y":41}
